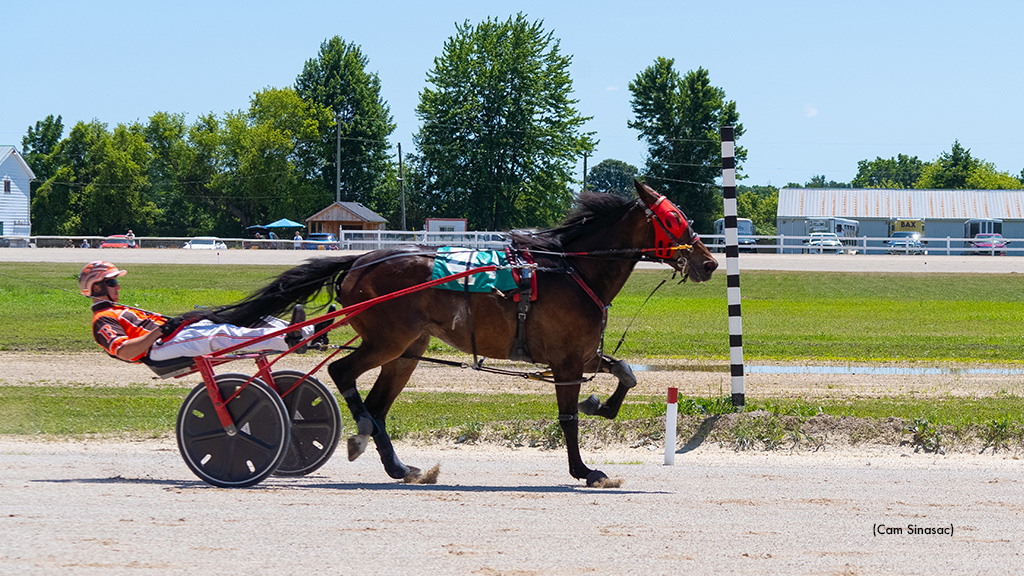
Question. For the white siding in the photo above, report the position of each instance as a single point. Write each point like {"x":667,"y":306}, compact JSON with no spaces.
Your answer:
{"x":14,"y":206}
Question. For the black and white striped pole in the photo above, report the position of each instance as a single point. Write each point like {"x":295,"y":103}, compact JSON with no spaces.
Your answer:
{"x":732,"y":266}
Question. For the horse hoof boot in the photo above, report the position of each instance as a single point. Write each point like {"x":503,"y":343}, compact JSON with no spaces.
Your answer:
{"x":596,"y":478}
{"x":356,"y":446}
{"x":624,"y":373}
{"x":590,"y":406}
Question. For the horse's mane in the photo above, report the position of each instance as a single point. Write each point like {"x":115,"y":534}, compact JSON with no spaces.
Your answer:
{"x":591,"y":211}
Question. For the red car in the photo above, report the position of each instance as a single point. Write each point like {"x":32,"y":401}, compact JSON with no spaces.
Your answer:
{"x":118,"y":241}
{"x":988,"y":244}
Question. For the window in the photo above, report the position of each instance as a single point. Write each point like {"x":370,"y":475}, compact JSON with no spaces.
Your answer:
{"x":7,"y":185}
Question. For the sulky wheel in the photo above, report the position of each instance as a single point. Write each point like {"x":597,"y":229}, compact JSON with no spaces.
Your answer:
{"x":253,"y":452}
{"x":315,"y":419}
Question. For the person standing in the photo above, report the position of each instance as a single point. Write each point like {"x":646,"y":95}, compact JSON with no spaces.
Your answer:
{"x":297,"y":240}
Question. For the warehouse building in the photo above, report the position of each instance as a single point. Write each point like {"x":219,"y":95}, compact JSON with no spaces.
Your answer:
{"x":949,"y":216}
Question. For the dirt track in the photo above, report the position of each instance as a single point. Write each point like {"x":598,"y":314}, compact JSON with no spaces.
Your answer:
{"x":118,"y":507}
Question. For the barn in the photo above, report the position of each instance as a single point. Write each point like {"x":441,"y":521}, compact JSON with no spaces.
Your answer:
{"x":945,"y":213}
{"x":15,"y":218}
{"x":345,"y":216}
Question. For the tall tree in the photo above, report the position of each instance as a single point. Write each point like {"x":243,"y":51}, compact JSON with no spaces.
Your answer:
{"x":39,"y":143}
{"x":679,"y":117}
{"x":99,"y":184}
{"x":337,"y":80}
{"x":500,"y":133}
{"x":612,"y":177}
{"x":901,"y":171}
{"x":951,"y":170}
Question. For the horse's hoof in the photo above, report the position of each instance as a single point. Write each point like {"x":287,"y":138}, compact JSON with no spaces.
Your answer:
{"x":590,"y":406}
{"x":356,"y":446}
{"x":598,"y":479}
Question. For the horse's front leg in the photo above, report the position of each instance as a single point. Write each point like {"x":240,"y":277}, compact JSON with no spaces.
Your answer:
{"x":609,"y":409}
{"x":568,"y":396}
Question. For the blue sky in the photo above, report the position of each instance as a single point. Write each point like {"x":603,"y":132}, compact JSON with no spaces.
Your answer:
{"x":818,"y":85}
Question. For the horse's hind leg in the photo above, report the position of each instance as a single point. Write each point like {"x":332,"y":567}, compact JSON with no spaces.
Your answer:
{"x":609,"y":409}
{"x":392,"y":379}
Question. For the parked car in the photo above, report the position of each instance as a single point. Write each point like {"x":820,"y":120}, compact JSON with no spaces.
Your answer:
{"x":988,"y":244}
{"x":118,"y":241}
{"x":205,"y":243}
{"x":823,"y":243}
{"x":320,"y":241}
{"x":905,"y":243}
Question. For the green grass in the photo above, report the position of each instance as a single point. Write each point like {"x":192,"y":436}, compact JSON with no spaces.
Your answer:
{"x":143,"y":411}
{"x":786,"y":315}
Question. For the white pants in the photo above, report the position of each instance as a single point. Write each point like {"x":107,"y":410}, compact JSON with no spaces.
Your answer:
{"x":205,"y":337}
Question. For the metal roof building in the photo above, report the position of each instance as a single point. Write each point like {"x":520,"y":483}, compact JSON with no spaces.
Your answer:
{"x":944,"y":211}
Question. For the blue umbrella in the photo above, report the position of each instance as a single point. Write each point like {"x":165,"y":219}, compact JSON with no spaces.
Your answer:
{"x":285,"y":223}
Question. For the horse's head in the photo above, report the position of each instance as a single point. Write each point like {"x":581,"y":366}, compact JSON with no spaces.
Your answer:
{"x":675,"y":242}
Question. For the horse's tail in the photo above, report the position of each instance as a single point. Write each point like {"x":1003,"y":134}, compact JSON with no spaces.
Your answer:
{"x":297,"y":285}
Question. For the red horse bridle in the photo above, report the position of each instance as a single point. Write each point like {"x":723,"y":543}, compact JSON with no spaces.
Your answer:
{"x":670,"y":226}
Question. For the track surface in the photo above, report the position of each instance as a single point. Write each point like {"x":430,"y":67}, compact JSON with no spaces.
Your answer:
{"x":132,"y":508}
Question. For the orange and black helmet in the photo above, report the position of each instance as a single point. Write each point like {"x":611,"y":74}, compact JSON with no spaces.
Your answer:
{"x":97,"y":271}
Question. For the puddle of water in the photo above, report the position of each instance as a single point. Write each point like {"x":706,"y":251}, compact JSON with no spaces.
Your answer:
{"x":844,"y":370}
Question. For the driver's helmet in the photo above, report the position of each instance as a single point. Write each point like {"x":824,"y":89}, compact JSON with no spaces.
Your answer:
{"x":97,"y":271}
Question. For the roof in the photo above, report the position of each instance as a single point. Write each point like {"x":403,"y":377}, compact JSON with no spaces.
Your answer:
{"x":884,"y":203}
{"x":8,"y":151}
{"x":346,"y":212}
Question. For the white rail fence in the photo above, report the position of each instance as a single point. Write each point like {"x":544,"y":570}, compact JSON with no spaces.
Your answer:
{"x":373,"y":240}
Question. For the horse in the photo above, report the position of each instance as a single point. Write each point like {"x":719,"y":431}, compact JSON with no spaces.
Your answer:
{"x":579,"y":267}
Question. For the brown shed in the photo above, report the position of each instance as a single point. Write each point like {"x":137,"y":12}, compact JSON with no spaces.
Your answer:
{"x":345,"y":216}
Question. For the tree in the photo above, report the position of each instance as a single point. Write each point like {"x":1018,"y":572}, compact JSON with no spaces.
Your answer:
{"x":337,"y":80}
{"x":500,"y":133}
{"x":760,"y":204}
{"x":99,"y":184}
{"x":893,"y":173}
{"x":612,"y":177}
{"x":951,"y":170}
{"x":819,"y":181}
{"x":679,"y":117}
{"x":39,"y":143}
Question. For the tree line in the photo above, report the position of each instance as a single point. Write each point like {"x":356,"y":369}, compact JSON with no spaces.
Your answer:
{"x":498,"y":144}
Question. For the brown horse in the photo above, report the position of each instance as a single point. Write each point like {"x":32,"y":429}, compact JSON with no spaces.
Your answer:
{"x":580,"y":267}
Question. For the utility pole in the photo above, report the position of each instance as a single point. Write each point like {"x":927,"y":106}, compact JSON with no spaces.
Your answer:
{"x":401,"y":178}
{"x":337,"y":163}
{"x":584,"y":171}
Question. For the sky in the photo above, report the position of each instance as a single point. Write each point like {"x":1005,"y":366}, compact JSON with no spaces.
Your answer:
{"x":818,"y":85}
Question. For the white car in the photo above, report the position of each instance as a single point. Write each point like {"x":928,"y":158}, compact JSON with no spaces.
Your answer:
{"x":205,"y":243}
{"x":823,"y":243}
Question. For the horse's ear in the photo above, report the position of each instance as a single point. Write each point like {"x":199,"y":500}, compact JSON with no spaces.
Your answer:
{"x":646,"y":193}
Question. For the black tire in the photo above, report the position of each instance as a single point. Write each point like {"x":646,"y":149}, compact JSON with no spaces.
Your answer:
{"x":242,"y":459}
{"x":315,"y":421}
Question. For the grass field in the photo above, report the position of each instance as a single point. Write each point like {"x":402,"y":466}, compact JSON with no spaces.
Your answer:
{"x":786,"y":315}
{"x":793,"y":316}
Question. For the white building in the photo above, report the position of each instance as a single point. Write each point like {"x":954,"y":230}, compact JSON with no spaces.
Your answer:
{"x":944,"y":212}
{"x":16,"y":176}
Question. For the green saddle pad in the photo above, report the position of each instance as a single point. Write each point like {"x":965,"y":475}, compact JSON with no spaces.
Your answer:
{"x":451,"y":260}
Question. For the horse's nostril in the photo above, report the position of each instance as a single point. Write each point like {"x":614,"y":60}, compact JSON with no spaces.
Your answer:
{"x":710,"y":265}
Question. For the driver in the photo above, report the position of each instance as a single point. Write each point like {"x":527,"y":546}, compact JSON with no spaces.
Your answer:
{"x":135,"y":335}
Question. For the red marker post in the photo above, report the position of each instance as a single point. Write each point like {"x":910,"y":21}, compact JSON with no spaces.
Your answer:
{"x":671,"y":409}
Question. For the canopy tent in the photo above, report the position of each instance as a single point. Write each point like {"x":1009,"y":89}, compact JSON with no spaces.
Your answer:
{"x":285,"y":223}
